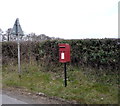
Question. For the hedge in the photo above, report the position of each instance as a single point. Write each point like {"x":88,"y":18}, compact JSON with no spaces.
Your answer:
{"x":95,"y":53}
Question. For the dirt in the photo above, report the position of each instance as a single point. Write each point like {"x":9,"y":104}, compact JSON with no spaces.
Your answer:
{"x":33,"y":98}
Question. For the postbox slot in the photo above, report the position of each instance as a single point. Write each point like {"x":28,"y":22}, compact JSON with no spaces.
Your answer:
{"x":62,"y":46}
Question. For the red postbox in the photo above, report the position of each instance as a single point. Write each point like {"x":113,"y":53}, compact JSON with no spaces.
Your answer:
{"x":64,"y":53}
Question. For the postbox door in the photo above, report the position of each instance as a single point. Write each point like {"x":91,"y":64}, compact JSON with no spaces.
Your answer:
{"x":64,"y":53}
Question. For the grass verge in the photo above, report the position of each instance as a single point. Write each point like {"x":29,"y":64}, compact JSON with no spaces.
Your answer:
{"x":80,"y":88}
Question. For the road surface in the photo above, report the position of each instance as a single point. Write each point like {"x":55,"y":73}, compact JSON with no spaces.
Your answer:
{"x":9,"y":100}
{"x":23,"y":96}
{"x":0,"y":99}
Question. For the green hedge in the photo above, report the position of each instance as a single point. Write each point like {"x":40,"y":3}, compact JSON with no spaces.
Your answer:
{"x":95,"y":53}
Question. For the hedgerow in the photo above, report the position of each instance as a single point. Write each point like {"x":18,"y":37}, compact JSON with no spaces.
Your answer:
{"x":94,"y":53}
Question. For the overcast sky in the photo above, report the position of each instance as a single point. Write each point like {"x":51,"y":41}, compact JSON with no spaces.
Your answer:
{"x":70,"y":19}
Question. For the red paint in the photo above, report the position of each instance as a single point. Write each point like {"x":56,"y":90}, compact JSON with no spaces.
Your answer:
{"x":64,"y":53}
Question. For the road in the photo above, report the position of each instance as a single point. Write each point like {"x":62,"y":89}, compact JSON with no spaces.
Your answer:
{"x":9,"y":100}
{"x":12,"y":95}
{"x":0,"y":99}
{"x":22,"y":96}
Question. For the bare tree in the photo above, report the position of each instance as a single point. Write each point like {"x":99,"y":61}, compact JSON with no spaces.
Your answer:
{"x":1,"y":35}
{"x":8,"y":33}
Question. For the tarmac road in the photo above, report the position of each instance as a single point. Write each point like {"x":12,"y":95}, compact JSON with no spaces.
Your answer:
{"x":9,"y":100}
{"x":23,"y":96}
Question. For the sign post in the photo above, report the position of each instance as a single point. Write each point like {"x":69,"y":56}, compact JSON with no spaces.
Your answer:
{"x":64,"y":57}
{"x":18,"y":31}
{"x":19,"y":56}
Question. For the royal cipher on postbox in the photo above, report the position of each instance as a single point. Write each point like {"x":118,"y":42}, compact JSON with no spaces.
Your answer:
{"x":64,"y":53}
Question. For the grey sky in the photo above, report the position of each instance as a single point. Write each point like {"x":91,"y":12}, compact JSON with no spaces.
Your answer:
{"x":62,"y":18}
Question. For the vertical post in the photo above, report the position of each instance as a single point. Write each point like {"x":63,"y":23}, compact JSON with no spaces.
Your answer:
{"x":8,"y":36}
{"x":65,"y":73}
{"x":119,"y":23}
{"x":17,"y":33}
{"x":19,"y":71}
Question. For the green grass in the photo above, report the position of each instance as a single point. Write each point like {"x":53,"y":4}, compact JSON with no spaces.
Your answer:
{"x":80,"y":87}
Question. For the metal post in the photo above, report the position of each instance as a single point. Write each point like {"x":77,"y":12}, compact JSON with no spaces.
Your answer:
{"x":19,"y":71}
{"x":65,"y":73}
{"x":17,"y":33}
